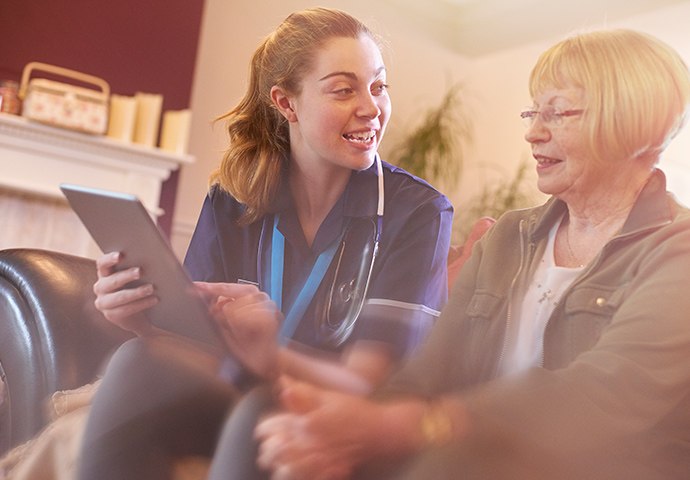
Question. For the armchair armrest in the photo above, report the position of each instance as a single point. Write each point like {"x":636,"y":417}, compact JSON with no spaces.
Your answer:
{"x":51,"y":335}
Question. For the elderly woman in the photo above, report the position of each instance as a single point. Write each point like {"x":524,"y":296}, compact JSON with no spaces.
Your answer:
{"x":564,"y":350}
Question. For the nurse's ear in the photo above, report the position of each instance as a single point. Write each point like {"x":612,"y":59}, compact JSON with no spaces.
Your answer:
{"x":283,"y":102}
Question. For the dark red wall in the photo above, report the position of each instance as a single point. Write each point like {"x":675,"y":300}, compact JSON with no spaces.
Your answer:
{"x":135,"y":45}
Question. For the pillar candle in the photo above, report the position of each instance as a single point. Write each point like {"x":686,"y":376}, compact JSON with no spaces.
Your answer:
{"x":148,"y":118}
{"x":122,"y":117}
{"x":175,"y":132}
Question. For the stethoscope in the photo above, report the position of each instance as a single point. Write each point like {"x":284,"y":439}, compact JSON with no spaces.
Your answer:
{"x":338,"y":313}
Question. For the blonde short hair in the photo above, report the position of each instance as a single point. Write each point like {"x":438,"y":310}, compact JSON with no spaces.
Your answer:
{"x":637,"y":89}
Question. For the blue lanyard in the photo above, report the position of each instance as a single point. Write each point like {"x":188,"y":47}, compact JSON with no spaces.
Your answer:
{"x":306,"y":294}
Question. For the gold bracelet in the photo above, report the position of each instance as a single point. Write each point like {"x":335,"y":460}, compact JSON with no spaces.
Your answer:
{"x":436,"y":425}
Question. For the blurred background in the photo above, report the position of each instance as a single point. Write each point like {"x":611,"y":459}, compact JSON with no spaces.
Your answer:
{"x":468,"y":59}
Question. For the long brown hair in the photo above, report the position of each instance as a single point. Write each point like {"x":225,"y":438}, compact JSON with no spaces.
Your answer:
{"x":259,"y":136}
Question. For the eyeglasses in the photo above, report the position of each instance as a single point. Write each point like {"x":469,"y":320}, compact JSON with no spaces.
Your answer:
{"x":549,"y":115}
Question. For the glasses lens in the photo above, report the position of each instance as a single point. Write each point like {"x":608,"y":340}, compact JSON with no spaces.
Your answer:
{"x":528,"y":117}
{"x":549,"y":116}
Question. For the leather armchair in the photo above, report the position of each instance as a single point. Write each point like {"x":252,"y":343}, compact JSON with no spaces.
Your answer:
{"x":51,"y":335}
{"x":53,"y":338}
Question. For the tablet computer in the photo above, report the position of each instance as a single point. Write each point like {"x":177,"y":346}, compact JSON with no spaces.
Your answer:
{"x":120,"y":222}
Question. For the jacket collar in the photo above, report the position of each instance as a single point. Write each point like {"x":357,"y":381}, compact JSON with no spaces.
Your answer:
{"x":652,"y":208}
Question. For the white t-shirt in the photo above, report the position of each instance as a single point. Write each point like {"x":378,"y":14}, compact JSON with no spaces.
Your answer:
{"x":526,"y":343}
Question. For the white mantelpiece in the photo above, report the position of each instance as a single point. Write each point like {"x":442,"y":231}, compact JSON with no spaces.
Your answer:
{"x":35,"y":159}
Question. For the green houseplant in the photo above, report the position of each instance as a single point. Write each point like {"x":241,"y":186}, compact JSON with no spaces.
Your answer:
{"x":433,"y":149}
{"x":494,"y":199}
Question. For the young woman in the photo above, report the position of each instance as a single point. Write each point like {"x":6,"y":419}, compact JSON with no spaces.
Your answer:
{"x":319,"y":260}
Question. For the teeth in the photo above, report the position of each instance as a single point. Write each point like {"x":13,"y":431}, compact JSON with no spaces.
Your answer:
{"x":543,"y":160}
{"x":363,"y":137}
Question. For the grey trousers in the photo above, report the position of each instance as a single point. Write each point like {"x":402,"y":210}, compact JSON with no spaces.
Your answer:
{"x":159,"y":399}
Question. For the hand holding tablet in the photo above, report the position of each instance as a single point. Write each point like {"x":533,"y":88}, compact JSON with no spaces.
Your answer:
{"x":119,"y":222}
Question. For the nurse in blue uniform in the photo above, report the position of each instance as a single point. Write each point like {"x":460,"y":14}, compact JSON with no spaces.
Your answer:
{"x":319,"y":260}
{"x":405,"y":289}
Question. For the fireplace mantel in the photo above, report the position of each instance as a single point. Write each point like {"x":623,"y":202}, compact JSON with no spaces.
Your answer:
{"x":36,"y":158}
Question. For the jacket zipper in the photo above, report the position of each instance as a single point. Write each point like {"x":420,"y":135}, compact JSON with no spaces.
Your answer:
{"x":509,"y":308}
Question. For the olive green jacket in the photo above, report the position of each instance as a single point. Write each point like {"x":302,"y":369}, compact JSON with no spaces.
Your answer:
{"x":613,"y":397}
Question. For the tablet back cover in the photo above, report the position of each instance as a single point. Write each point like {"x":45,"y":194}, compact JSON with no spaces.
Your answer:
{"x":120,"y":222}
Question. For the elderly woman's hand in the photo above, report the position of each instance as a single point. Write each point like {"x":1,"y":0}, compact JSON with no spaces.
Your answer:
{"x":322,"y":435}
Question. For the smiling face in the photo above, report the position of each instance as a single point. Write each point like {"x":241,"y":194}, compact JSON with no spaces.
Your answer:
{"x":565,"y":166}
{"x":338,"y":117}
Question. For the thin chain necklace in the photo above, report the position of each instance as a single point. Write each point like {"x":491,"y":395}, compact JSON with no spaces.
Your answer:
{"x":571,"y":254}
{"x":570,"y":249}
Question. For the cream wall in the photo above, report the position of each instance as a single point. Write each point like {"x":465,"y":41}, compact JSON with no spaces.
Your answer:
{"x":499,"y":85}
{"x":420,"y":70}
